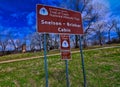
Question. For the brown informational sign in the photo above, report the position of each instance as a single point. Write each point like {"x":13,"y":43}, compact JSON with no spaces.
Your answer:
{"x":64,"y":42}
{"x":58,"y":20}
{"x":65,"y":46}
{"x":65,"y":55}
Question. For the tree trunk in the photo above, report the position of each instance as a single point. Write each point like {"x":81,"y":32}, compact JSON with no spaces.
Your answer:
{"x":100,"y":41}
{"x":119,"y":35}
{"x":84,"y":41}
{"x":76,"y":41}
{"x":109,"y":36}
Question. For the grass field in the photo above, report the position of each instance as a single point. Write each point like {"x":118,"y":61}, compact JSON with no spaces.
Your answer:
{"x":102,"y":70}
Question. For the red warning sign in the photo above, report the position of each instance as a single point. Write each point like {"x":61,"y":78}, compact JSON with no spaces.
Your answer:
{"x":65,"y":46}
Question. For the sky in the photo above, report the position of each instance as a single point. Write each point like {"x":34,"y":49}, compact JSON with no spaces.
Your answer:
{"x":18,"y":17}
{"x":114,"y":7}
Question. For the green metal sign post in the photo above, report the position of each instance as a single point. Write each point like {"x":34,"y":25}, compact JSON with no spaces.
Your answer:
{"x":45,"y":60}
{"x":82,"y":59}
{"x":67,"y":73}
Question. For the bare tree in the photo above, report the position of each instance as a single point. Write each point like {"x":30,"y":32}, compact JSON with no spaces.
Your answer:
{"x":100,"y":28}
{"x":56,"y":41}
{"x":117,"y":28}
{"x":92,"y":11}
{"x":3,"y":43}
{"x":91,"y":15}
{"x":48,"y":40}
{"x":16,"y":43}
{"x":110,"y":26}
{"x":35,"y":41}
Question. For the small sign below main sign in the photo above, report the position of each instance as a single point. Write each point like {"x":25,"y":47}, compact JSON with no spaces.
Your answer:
{"x":65,"y":42}
{"x":58,"y":20}
{"x":66,"y":55}
{"x":65,"y":46}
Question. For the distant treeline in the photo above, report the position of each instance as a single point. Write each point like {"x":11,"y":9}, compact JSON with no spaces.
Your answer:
{"x":114,"y":41}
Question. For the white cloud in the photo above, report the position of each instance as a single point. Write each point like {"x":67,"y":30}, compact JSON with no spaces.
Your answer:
{"x":16,"y":32}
